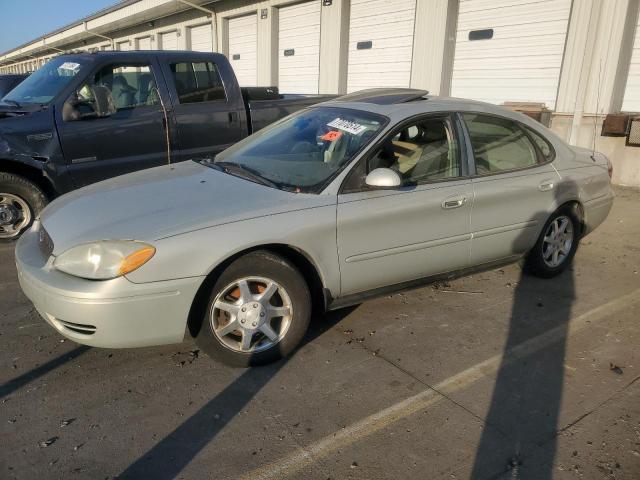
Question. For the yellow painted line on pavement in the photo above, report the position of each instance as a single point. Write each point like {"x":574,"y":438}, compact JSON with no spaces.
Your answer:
{"x":309,"y":454}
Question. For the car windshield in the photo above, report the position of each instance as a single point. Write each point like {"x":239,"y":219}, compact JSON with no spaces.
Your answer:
{"x":304,"y":151}
{"x":45,"y":83}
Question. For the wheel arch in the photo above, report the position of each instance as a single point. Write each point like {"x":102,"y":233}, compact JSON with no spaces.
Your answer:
{"x":300,"y":259}
{"x":578,"y":209}
{"x":31,"y":173}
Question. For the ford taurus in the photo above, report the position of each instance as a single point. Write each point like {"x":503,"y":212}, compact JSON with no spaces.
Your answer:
{"x":374,"y":192}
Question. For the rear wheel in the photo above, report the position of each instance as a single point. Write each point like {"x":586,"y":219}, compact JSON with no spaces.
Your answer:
{"x":556,"y":245}
{"x":259,"y":310}
{"x":21,"y":201}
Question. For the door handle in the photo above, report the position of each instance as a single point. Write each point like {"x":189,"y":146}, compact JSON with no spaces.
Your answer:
{"x":546,"y":186}
{"x":232,"y":117}
{"x":457,"y":202}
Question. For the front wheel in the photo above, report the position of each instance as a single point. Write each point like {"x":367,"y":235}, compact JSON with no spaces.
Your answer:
{"x":259,"y":310}
{"x":556,"y":245}
{"x":21,"y":201}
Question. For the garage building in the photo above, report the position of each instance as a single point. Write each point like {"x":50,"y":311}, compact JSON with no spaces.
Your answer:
{"x":573,"y":63}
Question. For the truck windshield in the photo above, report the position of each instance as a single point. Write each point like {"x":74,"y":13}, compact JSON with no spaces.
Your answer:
{"x":304,"y":151}
{"x":44,"y":84}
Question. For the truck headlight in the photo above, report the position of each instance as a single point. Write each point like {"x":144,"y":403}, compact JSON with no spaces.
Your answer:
{"x":105,"y":259}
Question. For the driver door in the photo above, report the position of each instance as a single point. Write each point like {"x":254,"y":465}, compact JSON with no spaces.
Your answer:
{"x":131,"y":139}
{"x":421,"y":228}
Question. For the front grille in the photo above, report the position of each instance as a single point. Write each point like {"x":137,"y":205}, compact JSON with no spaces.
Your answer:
{"x":78,"y":327}
{"x":45,"y":242}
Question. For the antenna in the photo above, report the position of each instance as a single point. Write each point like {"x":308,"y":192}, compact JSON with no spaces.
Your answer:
{"x":595,"y":121}
{"x":166,"y":125}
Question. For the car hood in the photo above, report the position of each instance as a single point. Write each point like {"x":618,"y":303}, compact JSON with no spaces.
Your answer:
{"x":164,"y":201}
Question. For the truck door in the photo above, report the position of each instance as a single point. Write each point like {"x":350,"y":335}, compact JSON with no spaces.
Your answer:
{"x":209,"y":113}
{"x":131,"y":139}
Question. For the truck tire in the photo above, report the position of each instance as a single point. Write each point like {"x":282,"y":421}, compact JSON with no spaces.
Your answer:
{"x":21,"y":201}
{"x":258,"y":311}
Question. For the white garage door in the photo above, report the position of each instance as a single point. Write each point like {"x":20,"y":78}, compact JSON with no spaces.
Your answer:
{"x":126,"y":45}
{"x":243,"y":49}
{"x":200,"y":39}
{"x":631,"y":101}
{"x":510,"y":50}
{"x":169,"y":41}
{"x":144,"y":43}
{"x":299,"y":48}
{"x":380,"y":43}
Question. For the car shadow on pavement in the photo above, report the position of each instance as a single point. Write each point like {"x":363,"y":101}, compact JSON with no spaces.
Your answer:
{"x":12,"y":385}
{"x":519,"y":438}
{"x":175,"y":451}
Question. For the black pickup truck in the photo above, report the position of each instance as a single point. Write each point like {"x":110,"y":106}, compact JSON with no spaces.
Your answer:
{"x":85,"y":117}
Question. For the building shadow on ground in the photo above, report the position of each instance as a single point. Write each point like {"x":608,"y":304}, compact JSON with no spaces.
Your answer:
{"x":175,"y":451}
{"x":519,"y":438}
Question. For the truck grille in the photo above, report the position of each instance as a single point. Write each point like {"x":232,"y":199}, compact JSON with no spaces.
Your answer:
{"x":45,"y":242}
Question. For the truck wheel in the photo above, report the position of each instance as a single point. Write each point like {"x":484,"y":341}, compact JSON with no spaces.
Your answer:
{"x":259,"y":310}
{"x":21,"y":201}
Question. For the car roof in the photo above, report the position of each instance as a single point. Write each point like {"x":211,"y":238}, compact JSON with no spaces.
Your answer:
{"x":408,"y":105}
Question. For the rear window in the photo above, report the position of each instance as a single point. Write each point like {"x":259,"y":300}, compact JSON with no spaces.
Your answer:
{"x":197,"y":82}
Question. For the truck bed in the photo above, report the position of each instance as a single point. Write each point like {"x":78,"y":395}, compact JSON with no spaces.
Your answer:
{"x":265,"y":105}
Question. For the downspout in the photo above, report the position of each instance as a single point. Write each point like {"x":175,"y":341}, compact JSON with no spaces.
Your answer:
{"x":214,"y":25}
{"x":111,"y":40}
{"x":585,"y":71}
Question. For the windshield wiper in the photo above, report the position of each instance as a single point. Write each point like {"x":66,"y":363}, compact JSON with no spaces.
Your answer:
{"x":244,"y":172}
{"x":8,"y":100}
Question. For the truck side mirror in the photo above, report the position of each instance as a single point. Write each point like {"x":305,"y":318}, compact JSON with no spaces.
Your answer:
{"x":101,"y":106}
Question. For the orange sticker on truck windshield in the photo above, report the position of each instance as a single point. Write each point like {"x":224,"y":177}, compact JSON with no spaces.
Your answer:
{"x":331,"y":136}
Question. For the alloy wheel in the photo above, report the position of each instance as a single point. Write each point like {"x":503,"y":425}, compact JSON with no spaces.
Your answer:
{"x":557,"y":241}
{"x":15,"y":214}
{"x":251,"y":314}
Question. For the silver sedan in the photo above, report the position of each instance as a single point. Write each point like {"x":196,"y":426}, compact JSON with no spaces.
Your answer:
{"x":371,"y":193}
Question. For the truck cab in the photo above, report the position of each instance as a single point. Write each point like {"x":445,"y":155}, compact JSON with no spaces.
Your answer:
{"x":86,"y":117}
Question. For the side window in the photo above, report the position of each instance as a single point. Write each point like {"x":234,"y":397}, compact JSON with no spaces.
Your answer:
{"x":131,"y":86}
{"x":424,"y":152}
{"x":197,"y":82}
{"x":544,"y":146}
{"x":499,"y":144}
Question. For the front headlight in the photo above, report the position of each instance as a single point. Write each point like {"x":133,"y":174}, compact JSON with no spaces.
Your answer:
{"x":104,"y":259}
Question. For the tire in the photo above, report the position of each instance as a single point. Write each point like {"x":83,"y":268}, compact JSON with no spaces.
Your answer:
{"x":20,"y":200}
{"x":234,"y":313}
{"x":542,"y":261}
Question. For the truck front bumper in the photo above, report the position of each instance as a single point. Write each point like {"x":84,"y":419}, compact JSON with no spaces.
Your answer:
{"x":113,"y":313}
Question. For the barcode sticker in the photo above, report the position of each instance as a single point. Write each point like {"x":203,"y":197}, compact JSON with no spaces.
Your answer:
{"x":347,"y":126}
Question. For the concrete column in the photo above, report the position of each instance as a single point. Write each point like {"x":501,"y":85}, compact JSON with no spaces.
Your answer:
{"x":334,"y":47}
{"x":267,"y":47}
{"x":596,"y":58}
{"x":182,"y":38}
{"x":434,"y":45}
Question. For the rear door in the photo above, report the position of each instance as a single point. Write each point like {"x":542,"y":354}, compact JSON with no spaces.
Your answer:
{"x":514,"y":187}
{"x":131,"y":139}
{"x":392,"y":236}
{"x":208,"y":111}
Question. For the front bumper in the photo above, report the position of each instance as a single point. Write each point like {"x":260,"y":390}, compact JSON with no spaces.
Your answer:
{"x":112,"y":313}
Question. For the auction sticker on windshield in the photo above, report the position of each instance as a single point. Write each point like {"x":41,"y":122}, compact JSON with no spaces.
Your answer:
{"x":347,"y":126}
{"x":69,"y":66}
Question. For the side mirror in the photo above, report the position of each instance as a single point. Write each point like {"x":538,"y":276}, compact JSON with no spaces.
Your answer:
{"x":383,"y":178}
{"x":103,"y":101}
{"x":101,"y":106}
